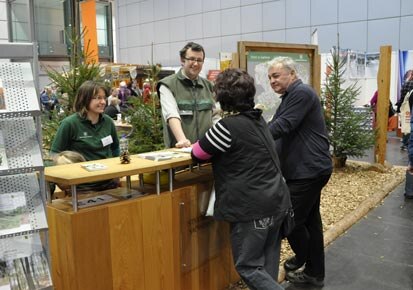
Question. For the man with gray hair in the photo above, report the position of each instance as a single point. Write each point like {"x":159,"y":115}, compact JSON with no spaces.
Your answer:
{"x":301,"y":139}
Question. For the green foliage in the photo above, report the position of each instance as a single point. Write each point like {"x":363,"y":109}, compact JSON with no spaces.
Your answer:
{"x":147,"y":127}
{"x":68,"y":82}
{"x":349,"y":131}
{"x":145,"y":117}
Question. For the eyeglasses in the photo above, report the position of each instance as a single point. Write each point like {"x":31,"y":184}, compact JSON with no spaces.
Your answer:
{"x":99,"y":98}
{"x":192,"y":59}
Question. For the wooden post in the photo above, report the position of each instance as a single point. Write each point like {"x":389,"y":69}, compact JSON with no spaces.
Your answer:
{"x":382,"y":113}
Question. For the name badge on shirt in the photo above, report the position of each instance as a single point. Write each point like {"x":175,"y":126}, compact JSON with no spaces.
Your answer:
{"x":186,"y":113}
{"x":107,"y":140}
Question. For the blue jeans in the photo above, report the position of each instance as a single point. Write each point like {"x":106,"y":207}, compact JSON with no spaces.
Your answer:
{"x":256,"y":252}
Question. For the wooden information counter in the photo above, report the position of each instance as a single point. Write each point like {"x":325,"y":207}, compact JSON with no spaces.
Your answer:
{"x":153,"y":242}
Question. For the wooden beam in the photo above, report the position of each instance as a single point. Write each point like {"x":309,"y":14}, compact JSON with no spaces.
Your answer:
{"x":382,"y":113}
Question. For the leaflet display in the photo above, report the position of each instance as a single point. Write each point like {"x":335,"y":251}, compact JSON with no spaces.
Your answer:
{"x":23,"y":225}
{"x":24,"y":263}
{"x":21,"y":205}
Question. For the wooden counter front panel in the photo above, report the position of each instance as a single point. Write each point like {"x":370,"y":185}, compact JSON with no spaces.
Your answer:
{"x":126,"y":234}
{"x":203,"y":254}
{"x":157,"y":242}
{"x":80,"y":249}
{"x":141,"y":244}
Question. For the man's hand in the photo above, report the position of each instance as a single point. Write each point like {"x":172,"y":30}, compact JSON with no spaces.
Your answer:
{"x":183,"y":143}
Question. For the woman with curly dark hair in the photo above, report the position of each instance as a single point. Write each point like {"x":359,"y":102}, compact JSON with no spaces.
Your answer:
{"x":250,"y":191}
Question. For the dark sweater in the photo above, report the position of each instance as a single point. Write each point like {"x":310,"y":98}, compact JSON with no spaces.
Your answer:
{"x":300,"y":133}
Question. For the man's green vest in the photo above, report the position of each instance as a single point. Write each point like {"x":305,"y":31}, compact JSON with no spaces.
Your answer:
{"x":195,"y":104}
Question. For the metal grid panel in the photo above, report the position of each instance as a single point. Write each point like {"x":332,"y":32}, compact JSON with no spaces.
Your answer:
{"x":22,"y":149}
{"x":33,"y":210}
{"x":19,"y":90}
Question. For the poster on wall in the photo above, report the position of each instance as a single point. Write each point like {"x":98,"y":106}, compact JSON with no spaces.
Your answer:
{"x":372,"y":65}
{"x":257,"y":66}
{"x":357,"y":64}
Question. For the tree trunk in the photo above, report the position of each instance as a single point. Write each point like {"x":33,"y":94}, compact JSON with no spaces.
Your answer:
{"x":339,"y":161}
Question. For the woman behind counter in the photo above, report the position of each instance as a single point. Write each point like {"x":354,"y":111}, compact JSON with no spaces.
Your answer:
{"x":89,"y":131}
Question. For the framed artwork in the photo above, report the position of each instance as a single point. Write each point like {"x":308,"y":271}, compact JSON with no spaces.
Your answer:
{"x":254,"y":56}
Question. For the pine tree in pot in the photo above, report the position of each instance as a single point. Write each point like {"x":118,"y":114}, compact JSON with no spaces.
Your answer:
{"x":350,"y":132}
{"x":145,"y":117}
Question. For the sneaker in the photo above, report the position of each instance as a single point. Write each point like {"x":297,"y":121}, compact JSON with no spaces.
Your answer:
{"x":291,"y":264}
{"x":300,"y":277}
{"x":403,"y":147}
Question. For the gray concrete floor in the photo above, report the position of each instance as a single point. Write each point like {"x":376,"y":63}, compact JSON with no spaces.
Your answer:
{"x":377,"y":252}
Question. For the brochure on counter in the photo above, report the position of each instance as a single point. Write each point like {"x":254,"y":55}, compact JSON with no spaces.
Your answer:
{"x":94,"y":166}
{"x":162,"y":156}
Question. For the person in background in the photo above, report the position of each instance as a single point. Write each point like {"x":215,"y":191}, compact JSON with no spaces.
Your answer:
{"x":131,"y":85}
{"x":409,"y":173}
{"x":89,"y":131}
{"x":251,"y":193}
{"x":407,"y":86}
{"x":112,"y":110}
{"x":391,"y":122}
{"x":48,"y":99}
{"x":301,"y":138}
{"x":114,"y":94}
{"x":124,"y":94}
{"x":186,"y":100}
{"x":146,"y":94}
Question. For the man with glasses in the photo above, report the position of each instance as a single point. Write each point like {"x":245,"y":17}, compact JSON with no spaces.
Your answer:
{"x":186,"y":100}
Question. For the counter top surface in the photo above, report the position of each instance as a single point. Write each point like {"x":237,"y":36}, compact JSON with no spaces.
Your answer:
{"x":72,"y":174}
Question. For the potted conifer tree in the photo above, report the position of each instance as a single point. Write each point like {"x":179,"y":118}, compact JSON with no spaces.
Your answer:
{"x":350,"y":131}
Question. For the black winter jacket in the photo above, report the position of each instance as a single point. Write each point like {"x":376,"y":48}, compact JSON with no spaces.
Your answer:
{"x":248,"y":184}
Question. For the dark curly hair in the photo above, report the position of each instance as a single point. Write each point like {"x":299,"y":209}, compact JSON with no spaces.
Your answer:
{"x":235,"y":90}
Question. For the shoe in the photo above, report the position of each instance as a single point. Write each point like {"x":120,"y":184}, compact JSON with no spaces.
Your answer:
{"x":291,"y":264}
{"x":300,"y":277}
{"x":408,"y":196}
{"x":403,"y":147}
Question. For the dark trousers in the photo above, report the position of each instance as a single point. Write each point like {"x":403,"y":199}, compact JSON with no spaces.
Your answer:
{"x":256,"y":252}
{"x":405,"y":139}
{"x":306,"y":239}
